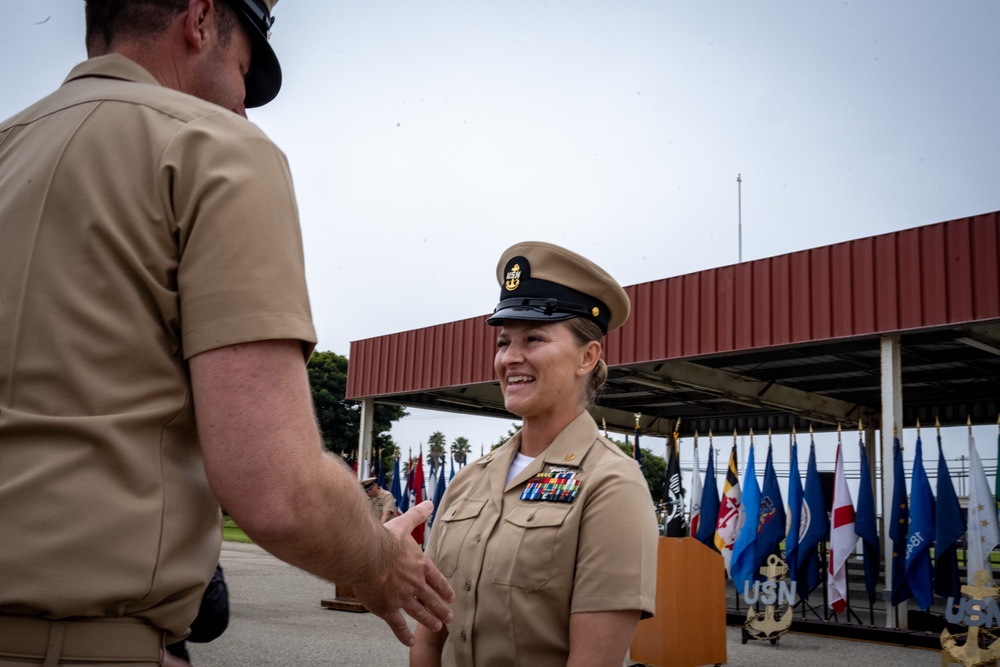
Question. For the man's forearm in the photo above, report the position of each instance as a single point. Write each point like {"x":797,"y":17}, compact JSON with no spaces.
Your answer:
{"x":266,"y":464}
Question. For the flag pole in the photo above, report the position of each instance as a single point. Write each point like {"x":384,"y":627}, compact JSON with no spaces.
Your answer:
{"x":739,"y":217}
{"x":861,"y":440}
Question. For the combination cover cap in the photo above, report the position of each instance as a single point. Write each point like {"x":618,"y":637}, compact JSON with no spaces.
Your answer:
{"x":263,"y":81}
{"x":542,"y":281}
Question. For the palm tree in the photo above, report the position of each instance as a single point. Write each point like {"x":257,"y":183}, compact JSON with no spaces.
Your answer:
{"x":435,"y":450}
{"x":460,"y":450}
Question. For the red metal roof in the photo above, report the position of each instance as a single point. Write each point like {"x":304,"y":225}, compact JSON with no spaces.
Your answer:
{"x":933,"y":276}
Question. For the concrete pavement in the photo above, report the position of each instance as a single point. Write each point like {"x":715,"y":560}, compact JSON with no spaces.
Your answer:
{"x":276,"y":619}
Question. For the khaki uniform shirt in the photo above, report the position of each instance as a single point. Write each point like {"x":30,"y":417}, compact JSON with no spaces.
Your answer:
{"x":382,"y":502}
{"x":521,"y":567}
{"x":138,"y":226}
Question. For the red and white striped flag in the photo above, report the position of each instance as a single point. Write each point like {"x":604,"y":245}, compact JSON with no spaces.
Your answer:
{"x":694,"y":518}
{"x":843,"y":539}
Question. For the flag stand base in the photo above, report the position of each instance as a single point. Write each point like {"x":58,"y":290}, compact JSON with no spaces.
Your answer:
{"x":344,"y":600}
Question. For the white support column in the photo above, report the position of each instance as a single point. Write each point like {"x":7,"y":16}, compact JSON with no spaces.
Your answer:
{"x":892,"y":419}
{"x":365,"y":437}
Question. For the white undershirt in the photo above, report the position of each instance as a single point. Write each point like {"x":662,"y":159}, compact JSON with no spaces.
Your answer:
{"x":519,"y":463}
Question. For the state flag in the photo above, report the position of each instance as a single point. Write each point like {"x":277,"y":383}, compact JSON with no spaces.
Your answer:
{"x":982,"y":527}
{"x":727,"y":523}
{"x":709,"y":505}
{"x":744,"y":564}
{"x":694,"y":515}
{"x":843,"y":539}
{"x":866,"y":526}
{"x":920,"y":535}
{"x":948,"y":530}
{"x":794,"y":514}
{"x":771,"y":519}
{"x":815,"y":528}
{"x":899,"y":525}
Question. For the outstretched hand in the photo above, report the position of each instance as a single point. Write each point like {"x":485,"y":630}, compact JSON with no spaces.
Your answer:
{"x":410,"y":583}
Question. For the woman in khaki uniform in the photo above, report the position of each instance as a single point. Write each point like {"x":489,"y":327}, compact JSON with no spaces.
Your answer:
{"x":550,"y":540}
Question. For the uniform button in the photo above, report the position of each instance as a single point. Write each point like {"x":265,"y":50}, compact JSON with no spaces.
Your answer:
{"x":468,"y":585}
{"x":462,"y":635}
{"x":479,"y":537}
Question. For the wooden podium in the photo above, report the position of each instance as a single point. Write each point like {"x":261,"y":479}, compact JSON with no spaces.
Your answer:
{"x":689,"y":628}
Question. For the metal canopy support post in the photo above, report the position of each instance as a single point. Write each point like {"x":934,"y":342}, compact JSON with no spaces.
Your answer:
{"x":892,"y":415}
{"x":365,"y":437}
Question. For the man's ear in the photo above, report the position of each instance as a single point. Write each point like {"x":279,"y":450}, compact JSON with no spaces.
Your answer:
{"x":199,"y":24}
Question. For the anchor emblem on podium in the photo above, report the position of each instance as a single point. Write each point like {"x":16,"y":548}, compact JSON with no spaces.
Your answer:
{"x":778,"y":598}
{"x":980,"y":647}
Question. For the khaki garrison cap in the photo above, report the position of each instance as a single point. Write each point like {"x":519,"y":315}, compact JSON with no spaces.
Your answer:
{"x":541,"y":281}
{"x":263,"y":81}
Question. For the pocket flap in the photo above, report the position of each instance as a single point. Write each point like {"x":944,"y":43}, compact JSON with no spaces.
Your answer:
{"x":538,"y":515}
{"x":467,"y":509}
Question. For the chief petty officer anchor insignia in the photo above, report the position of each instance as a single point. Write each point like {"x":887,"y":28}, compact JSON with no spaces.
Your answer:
{"x":556,"y":486}
{"x":513,"y":278}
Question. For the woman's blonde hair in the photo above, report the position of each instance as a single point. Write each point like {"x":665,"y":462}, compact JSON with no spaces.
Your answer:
{"x":586,"y":331}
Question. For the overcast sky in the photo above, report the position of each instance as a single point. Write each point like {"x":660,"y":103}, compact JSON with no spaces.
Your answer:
{"x":426,"y":137}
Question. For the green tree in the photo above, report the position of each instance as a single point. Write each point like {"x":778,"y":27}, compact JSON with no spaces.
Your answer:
{"x":654,"y":468}
{"x":514,"y":428}
{"x":460,"y":450}
{"x":339,"y":419}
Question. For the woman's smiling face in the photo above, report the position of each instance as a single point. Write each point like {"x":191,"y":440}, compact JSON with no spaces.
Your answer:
{"x":542,"y":368}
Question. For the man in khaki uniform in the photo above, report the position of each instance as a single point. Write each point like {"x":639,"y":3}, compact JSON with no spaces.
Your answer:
{"x":549,"y":541}
{"x":151,"y":270}
{"x":383,"y":505}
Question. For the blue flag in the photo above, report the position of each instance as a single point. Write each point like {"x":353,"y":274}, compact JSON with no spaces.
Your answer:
{"x":900,"y":523}
{"x":397,"y":489}
{"x":949,"y":526}
{"x":771,"y":521}
{"x":709,"y":505}
{"x":794,"y":514}
{"x":636,"y":452}
{"x":438,"y":494}
{"x":744,"y":565}
{"x":866,"y":526}
{"x":920,"y":536}
{"x":404,"y":505}
{"x":815,"y":528}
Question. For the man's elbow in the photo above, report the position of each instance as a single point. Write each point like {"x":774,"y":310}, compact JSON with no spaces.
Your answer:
{"x":266,"y":518}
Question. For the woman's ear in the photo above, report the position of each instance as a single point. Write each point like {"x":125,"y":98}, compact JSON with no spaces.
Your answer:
{"x":591,"y":355}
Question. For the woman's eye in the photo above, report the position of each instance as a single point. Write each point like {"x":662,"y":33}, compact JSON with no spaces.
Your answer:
{"x":502,"y":344}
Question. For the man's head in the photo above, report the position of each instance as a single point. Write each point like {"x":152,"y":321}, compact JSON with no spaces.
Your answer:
{"x":214,"y":49}
{"x":370,"y":486}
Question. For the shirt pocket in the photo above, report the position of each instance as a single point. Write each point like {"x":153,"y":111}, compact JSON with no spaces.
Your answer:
{"x":454,"y":527}
{"x":525,"y":544}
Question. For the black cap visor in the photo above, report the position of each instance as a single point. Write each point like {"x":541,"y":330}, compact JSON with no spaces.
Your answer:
{"x":546,"y":310}
{"x":263,"y":81}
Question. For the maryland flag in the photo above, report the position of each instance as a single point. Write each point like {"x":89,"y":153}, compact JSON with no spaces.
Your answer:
{"x":727,"y":522}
